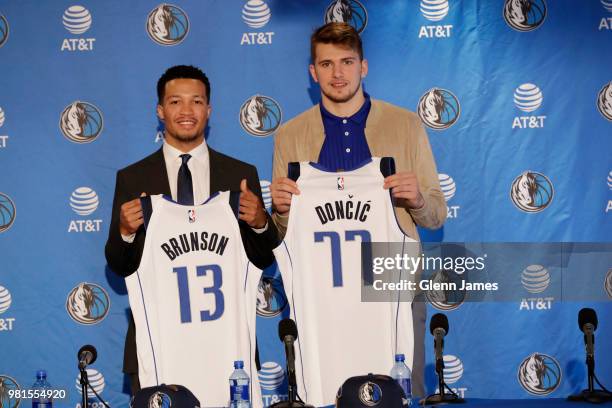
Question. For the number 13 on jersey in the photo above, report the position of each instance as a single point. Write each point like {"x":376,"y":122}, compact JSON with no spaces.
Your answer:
{"x":214,"y":290}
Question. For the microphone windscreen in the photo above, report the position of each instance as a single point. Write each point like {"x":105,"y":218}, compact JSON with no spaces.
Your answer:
{"x":438,"y":321}
{"x":88,"y":348}
{"x":287,"y":327}
{"x":587,"y":315}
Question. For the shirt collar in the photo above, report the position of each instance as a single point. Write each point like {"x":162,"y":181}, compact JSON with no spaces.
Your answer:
{"x":199,"y":153}
{"x":358,"y":117}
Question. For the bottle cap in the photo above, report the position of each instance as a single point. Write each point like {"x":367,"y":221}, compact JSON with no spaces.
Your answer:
{"x":238,"y":364}
{"x":41,"y":374}
{"x":400,"y":357}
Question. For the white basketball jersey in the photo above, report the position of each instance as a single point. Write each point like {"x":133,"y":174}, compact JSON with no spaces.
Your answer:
{"x":193,"y":299}
{"x":339,"y":336}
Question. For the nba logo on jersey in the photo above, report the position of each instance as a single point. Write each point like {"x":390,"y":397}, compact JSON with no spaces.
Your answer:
{"x":340,"y":183}
{"x":191,"y":214}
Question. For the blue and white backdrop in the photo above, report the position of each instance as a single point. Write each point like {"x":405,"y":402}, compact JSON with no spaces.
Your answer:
{"x":524,"y":95}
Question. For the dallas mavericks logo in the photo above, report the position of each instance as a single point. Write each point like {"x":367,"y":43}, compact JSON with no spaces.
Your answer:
{"x":87,"y":303}
{"x":539,"y":374}
{"x":256,"y":13}
{"x":608,"y":284}
{"x":524,"y":15}
{"x":167,"y":24}
{"x":447,"y":185}
{"x":453,"y":369}
{"x":271,"y":375}
{"x":434,"y":10}
{"x":191,"y":215}
{"x":76,"y":19}
{"x":370,"y":394}
{"x":159,"y":400}
{"x":84,"y":201}
{"x":8,"y":212}
{"x":260,"y":115}
{"x":270,"y":298}
{"x":347,"y":11}
{"x":604,"y":101}
{"x":528,"y":97}
{"x":81,"y":122}
{"x":439,"y":108}
{"x":531,"y":192}
{"x":535,"y":278}
{"x":5,"y":300}
{"x":8,"y":384}
{"x":96,"y":380}
{"x":445,"y":299}
{"x":4,"y":30}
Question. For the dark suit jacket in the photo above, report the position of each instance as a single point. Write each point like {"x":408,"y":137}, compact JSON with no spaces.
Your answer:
{"x":149,"y":176}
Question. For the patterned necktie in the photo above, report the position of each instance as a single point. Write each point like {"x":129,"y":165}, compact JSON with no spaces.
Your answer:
{"x":184,"y":191}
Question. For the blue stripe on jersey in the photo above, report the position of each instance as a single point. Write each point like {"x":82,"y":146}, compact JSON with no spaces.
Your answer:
{"x":144,"y":307}
{"x":399,"y":299}
{"x":326,"y":169}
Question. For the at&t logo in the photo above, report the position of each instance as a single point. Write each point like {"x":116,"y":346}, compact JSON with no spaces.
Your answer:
{"x":6,"y":323}
{"x":608,"y":283}
{"x":606,"y":22}
{"x":81,"y":122}
{"x":453,"y":371}
{"x":536,"y":279}
{"x":266,"y":194}
{"x":96,"y":380}
{"x":8,"y":212}
{"x":256,"y":14}
{"x":531,"y":192}
{"x":604,"y":101}
{"x":3,"y":138}
{"x":435,"y":10}
{"x":167,"y":24}
{"x":87,"y":303}
{"x":260,"y":115}
{"x":524,"y":15}
{"x":438,"y":108}
{"x":4,"y":30}
{"x":270,"y":297}
{"x":271,"y":377}
{"x":539,"y":374}
{"x":8,"y":384}
{"x":528,"y":98}
{"x":347,"y":11}
{"x":77,"y":20}
{"x":609,"y":206}
{"x":449,"y":188}
{"x":84,"y":201}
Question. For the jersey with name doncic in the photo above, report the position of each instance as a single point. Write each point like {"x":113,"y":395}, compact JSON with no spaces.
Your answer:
{"x":339,"y":335}
{"x":193,"y":298}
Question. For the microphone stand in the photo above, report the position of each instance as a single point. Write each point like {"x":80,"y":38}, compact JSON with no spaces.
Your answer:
{"x":591,"y":394}
{"x":84,"y":382}
{"x":441,"y":397}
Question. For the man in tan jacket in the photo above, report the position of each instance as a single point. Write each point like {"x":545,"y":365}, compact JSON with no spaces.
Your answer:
{"x":348,"y":127}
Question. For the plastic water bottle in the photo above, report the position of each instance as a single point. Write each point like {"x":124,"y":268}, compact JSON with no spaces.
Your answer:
{"x":239,"y":387}
{"x":42,"y":387}
{"x":402,"y":374}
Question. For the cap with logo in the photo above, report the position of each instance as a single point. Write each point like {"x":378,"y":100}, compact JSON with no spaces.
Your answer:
{"x":175,"y":396}
{"x":372,"y":390}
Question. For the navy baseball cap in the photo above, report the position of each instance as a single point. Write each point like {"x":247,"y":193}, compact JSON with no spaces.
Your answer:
{"x":372,"y":390}
{"x":164,"y":396}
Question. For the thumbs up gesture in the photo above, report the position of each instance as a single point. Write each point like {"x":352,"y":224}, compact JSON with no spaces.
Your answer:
{"x":251,"y":208}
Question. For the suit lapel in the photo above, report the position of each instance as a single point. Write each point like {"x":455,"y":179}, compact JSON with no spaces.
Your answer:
{"x":158,"y":172}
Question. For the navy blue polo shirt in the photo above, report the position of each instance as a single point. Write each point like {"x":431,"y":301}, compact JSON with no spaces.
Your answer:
{"x":345,"y":145}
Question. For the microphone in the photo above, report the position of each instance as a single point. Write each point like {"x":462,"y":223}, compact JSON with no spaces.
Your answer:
{"x":438,"y":327}
{"x":87,"y":355}
{"x":587,"y":322}
{"x":287,"y":331}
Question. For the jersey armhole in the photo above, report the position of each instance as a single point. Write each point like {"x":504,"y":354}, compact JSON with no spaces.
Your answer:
{"x":147,"y":210}
{"x":293,"y":171}
{"x":234,"y":201}
{"x":387,"y":166}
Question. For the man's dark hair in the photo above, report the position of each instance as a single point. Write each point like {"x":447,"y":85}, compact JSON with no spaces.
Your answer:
{"x":181,"y":72}
{"x":341,"y":34}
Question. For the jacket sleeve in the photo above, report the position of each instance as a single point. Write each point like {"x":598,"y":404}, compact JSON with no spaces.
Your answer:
{"x":279,"y":169}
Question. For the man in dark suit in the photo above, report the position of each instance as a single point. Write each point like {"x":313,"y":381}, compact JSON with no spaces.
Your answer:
{"x":187,"y":169}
